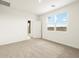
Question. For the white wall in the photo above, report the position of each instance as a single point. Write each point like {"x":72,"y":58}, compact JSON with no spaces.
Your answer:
{"x":13,"y":25}
{"x":71,"y":36}
{"x":36,"y":28}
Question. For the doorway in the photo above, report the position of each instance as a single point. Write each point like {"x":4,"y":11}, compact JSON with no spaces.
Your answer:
{"x":29,"y":28}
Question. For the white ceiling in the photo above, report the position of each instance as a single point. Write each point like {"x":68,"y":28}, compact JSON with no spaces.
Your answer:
{"x":35,"y":7}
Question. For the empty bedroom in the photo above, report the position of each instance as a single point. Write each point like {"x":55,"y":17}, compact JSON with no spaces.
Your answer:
{"x":39,"y":29}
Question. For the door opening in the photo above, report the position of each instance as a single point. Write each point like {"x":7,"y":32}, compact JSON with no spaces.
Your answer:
{"x":29,"y":27}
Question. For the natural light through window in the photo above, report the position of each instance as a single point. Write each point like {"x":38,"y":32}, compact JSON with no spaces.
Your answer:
{"x":58,"y":21}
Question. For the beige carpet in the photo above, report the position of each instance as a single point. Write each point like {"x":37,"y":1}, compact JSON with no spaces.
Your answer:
{"x":37,"y":48}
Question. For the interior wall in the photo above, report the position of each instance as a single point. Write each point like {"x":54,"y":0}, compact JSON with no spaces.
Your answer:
{"x":13,"y":25}
{"x":36,"y":27}
{"x":71,"y":36}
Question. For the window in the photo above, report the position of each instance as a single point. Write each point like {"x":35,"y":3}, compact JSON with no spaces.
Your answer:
{"x":58,"y":21}
{"x":51,"y":22}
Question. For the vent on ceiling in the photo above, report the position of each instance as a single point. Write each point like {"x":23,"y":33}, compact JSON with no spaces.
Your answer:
{"x":5,"y":3}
